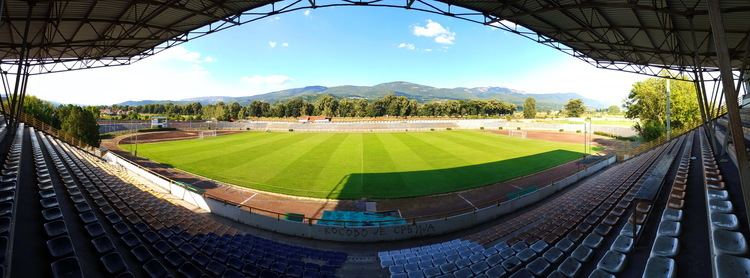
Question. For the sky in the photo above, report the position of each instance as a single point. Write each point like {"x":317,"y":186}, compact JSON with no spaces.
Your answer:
{"x":339,"y":46}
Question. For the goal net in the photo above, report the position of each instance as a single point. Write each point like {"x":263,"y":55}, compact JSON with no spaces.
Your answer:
{"x":204,"y":134}
{"x":517,"y":133}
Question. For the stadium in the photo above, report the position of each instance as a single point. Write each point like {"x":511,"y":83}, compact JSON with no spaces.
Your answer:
{"x":321,"y":196}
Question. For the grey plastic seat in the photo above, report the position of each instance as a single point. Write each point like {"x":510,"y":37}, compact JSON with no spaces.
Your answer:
{"x":565,"y":245}
{"x":60,"y":246}
{"x":622,"y":244}
{"x":464,"y":272}
{"x":729,"y":242}
{"x":494,"y":260}
{"x":449,"y":267}
{"x":669,"y":228}
{"x":569,"y":267}
{"x":659,"y":267}
{"x":94,"y":229}
{"x":526,"y":255}
{"x":612,"y":262}
{"x":722,"y":206}
{"x":539,"y":266}
{"x":726,"y":221}
{"x":512,"y":264}
{"x":672,"y":214}
{"x":113,"y":263}
{"x":627,"y":230}
{"x":593,"y":240}
{"x":432,"y":272}
{"x":518,"y":246}
{"x":103,"y":244}
{"x":731,"y":266}
{"x":496,"y":271}
{"x":582,"y":253}
{"x":665,"y":246}
{"x":539,"y":246}
{"x":553,"y":255}
{"x":155,"y":269}
{"x":479,"y":267}
{"x":55,"y":228}
{"x":599,"y":273}
{"x":67,"y":267}
{"x":141,"y":253}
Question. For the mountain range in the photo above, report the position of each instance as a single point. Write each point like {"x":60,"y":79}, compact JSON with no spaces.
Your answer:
{"x":421,"y":93}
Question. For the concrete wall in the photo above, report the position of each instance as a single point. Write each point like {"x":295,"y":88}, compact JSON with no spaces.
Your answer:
{"x":385,"y":126}
{"x":158,"y":181}
{"x":358,"y":234}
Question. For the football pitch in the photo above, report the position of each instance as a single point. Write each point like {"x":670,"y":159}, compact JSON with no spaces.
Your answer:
{"x":361,"y":165}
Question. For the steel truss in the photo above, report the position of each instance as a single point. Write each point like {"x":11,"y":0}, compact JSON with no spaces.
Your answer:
{"x":596,"y":37}
{"x":49,"y":65}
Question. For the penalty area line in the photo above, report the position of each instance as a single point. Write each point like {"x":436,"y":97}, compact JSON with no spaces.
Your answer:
{"x":248,"y":199}
{"x":467,"y":201}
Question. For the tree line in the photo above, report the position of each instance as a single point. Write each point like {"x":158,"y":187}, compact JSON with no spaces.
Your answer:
{"x":325,"y":105}
{"x":74,"y":120}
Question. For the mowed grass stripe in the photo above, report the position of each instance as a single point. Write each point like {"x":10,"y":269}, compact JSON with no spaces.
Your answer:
{"x":314,"y":159}
{"x":270,"y":160}
{"x":228,"y":163}
{"x":209,"y":143}
{"x":357,"y":165}
{"x":408,"y":162}
{"x":377,"y":160}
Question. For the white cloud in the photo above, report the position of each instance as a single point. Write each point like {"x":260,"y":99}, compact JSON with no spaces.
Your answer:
{"x":307,"y":12}
{"x":173,"y":74}
{"x":571,"y":75}
{"x":272,"y":44}
{"x":504,"y":24}
{"x":276,"y":80}
{"x":436,"y":31}
{"x":285,"y":44}
{"x":408,"y":46}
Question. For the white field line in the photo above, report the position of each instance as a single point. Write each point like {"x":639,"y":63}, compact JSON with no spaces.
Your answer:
{"x":470,"y":203}
{"x":248,"y":199}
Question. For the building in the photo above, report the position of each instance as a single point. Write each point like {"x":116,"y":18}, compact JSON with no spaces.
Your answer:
{"x":159,"y":122}
{"x":314,"y":119}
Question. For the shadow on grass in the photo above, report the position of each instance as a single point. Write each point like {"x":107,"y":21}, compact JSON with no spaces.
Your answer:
{"x":428,"y":182}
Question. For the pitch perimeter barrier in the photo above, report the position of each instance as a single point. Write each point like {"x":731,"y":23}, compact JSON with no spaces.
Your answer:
{"x":307,"y":227}
{"x":376,"y":126}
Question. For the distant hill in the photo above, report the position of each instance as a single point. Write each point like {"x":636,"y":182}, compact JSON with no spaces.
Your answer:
{"x":418,"y":92}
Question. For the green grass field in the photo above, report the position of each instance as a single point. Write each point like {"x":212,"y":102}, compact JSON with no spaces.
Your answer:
{"x":356,"y":165}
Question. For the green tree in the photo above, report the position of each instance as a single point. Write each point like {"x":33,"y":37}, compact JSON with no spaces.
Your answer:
{"x":80,"y":123}
{"x":529,"y":108}
{"x":326,"y":105}
{"x":41,"y":110}
{"x":575,"y":108}
{"x":234,"y":110}
{"x":613,"y":110}
{"x":647,"y":102}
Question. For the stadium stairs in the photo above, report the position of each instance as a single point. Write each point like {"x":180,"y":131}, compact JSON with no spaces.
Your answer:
{"x":671,"y":211}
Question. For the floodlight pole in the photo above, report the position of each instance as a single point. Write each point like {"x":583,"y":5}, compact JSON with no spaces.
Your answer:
{"x":730,"y":97}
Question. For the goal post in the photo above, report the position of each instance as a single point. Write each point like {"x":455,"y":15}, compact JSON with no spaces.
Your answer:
{"x":206,"y":133}
{"x":517,"y":133}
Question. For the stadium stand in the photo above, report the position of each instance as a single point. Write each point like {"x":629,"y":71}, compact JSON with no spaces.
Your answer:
{"x":557,"y":238}
{"x":636,"y":218}
{"x":95,"y":225}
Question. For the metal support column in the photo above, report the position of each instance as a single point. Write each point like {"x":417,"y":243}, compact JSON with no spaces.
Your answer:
{"x":730,"y":96}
